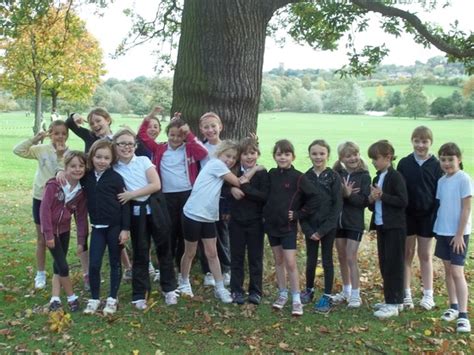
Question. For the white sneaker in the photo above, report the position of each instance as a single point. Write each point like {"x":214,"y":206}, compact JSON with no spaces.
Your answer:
{"x":111,"y":306}
{"x":223,"y":294}
{"x":157,"y":276}
{"x":226,"y":276}
{"x":339,"y":298}
{"x":427,"y":302}
{"x":463,"y":325}
{"x":380,"y":305}
{"x":140,"y":305}
{"x":209,"y":280}
{"x":450,"y":314}
{"x":92,"y":306}
{"x":171,"y":298}
{"x":389,"y":310}
{"x":40,"y":280}
{"x":408,"y":303}
{"x":354,"y":302}
{"x":185,"y":289}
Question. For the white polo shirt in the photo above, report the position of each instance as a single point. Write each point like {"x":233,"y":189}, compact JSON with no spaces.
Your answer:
{"x":173,"y":170}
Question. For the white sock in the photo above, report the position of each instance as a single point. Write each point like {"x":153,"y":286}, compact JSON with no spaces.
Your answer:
{"x":428,"y":293}
{"x":219,"y":285}
{"x":72,"y":298}
{"x":184,"y":280}
{"x":408,"y":292}
{"x":295,"y":296}
{"x":40,"y":273}
{"x":283,"y":292}
{"x":355,"y":292}
{"x":346,"y":289}
{"x":55,"y":298}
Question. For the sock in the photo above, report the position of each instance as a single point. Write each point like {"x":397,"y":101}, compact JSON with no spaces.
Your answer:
{"x":463,"y":315}
{"x":219,"y":285}
{"x":428,"y":293}
{"x":408,"y":292}
{"x":283,"y":292}
{"x":40,"y":273}
{"x":72,"y":298}
{"x":295,"y":296}
{"x":55,"y":298}
{"x":346,"y":289}
{"x":454,"y":306}
{"x":355,"y":292}
{"x":184,"y":280}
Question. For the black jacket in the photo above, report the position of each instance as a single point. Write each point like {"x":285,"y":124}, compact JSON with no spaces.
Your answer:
{"x":329,"y":203}
{"x":102,"y":203}
{"x":290,"y":190}
{"x":250,"y":208}
{"x":421,"y":182}
{"x":352,"y":216}
{"x":394,"y":200}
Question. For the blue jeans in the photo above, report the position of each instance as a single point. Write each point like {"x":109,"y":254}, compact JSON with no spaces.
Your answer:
{"x":102,"y":237}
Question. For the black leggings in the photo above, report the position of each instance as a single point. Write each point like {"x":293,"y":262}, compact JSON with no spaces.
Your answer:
{"x":59,"y":253}
{"x":312,"y":246}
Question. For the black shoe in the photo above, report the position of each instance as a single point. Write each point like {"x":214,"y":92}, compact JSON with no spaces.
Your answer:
{"x":74,"y":305}
{"x":55,"y":306}
{"x":238,"y":298}
{"x":255,"y":298}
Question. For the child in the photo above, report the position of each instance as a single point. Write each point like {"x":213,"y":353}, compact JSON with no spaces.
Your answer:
{"x":320,"y":226}
{"x":177,"y":164}
{"x":421,"y":171}
{"x":110,"y":221}
{"x":58,"y":205}
{"x":246,"y":225}
{"x":291,"y":197}
{"x":211,"y":127}
{"x":452,"y":229}
{"x":201,"y":211}
{"x":149,"y":219}
{"x":50,"y":158}
{"x":355,"y":192}
{"x":388,"y":199}
{"x":152,"y":132}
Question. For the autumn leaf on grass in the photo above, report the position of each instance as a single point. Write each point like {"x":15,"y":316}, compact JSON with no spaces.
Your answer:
{"x":59,"y":321}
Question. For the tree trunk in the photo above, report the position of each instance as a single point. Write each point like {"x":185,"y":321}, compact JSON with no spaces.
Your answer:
{"x":54,"y":99}
{"x":220,"y":62}
{"x":38,"y":109}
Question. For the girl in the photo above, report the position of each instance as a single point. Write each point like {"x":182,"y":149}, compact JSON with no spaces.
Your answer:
{"x":355,"y":191}
{"x":152,"y":132}
{"x":149,"y":219}
{"x":110,"y":221}
{"x":99,"y":122}
{"x":210,"y":125}
{"x":388,"y":199}
{"x":50,"y":158}
{"x":421,"y":171}
{"x":58,"y":205}
{"x":177,"y":164}
{"x":452,"y":229}
{"x":246,"y":225}
{"x":201,"y":211}
{"x":320,"y":226}
{"x":291,"y":197}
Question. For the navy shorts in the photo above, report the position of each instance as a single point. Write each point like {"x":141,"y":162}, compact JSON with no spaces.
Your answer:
{"x":36,"y":210}
{"x":287,"y":242}
{"x":194,"y":230}
{"x":420,"y":225}
{"x":348,"y":234}
{"x":445,"y":251}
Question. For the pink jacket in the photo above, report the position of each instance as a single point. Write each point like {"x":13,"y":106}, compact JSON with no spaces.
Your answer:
{"x":194,"y":149}
{"x":55,"y":215}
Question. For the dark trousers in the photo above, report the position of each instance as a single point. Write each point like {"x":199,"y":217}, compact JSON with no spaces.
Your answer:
{"x":391,"y":250}
{"x":223,"y":248}
{"x":101,"y":238}
{"x":141,"y":234}
{"x":175,"y":202}
{"x":246,"y":236}
{"x":312,"y":246}
{"x":59,"y":253}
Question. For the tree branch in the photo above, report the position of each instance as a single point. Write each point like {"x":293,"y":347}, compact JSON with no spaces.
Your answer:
{"x":421,"y":28}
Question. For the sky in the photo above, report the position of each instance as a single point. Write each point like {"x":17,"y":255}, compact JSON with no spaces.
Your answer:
{"x":112,"y":27}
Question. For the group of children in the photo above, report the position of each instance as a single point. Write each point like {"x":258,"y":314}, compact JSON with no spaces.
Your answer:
{"x":212,"y":196}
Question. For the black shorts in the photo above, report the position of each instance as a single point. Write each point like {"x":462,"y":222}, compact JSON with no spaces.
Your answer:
{"x":444,"y":250}
{"x":36,"y":210}
{"x":287,"y":242}
{"x":194,"y":230}
{"x":349,"y":234}
{"x":420,"y":225}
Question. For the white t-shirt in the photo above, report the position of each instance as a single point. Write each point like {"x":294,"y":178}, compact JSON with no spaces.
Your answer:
{"x":173,"y":170}
{"x":451,"y":190}
{"x":211,"y":148}
{"x":203,"y":203}
{"x":378,"y":219}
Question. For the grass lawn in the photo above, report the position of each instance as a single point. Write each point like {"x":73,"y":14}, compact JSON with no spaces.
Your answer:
{"x":430,"y":91}
{"x":203,"y":325}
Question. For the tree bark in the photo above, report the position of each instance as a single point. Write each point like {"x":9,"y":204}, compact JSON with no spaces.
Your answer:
{"x":38,"y":109}
{"x":220,"y":62}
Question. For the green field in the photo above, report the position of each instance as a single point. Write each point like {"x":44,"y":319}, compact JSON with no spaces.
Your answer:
{"x":430,"y":91}
{"x":203,"y":325}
